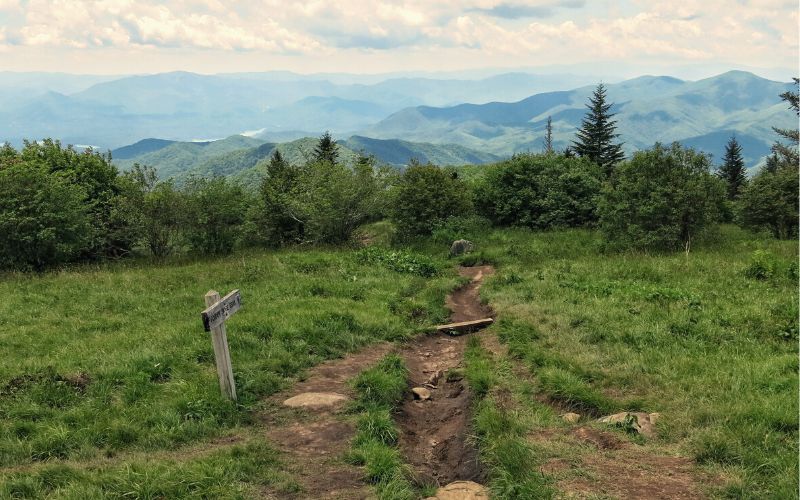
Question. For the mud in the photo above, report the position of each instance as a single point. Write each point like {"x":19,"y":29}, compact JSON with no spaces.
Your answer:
{"x":434,"y":434}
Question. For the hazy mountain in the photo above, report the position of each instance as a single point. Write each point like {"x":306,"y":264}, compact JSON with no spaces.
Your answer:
{"x":703,"y":113}
{"x":110,"y":112}
{"x":243,"y":157}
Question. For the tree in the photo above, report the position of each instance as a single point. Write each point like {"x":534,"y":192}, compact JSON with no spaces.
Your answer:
{"x":540,"y":191}
{"x":424,"y":196}
{"x":789,"y":153}
{"x":548,"y":136}
{"x":595,"y":138}
{"x":215,"y":213}
{"x":661,"y":199}
{"x":43,"y":218}
{"x":270,"y":221}
{"x":326,"y":149}
{"x":732,"y":170}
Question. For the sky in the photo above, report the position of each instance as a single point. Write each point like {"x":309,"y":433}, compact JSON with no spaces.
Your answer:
{"x":684,"y":38}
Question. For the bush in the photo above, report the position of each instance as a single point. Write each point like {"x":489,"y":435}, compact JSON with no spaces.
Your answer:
{"x":770,"y":201}
{"x":661,"y":199}
{"x":540,"y":191}
{"x":399,"y":261}
{"x":43,"y":219}
{"x":425,"y":196}
{"x":462,"y":227}
{"x":762,"y":266}
{"x":215,"y":210}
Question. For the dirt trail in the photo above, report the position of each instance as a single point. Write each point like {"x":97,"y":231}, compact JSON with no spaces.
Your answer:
{"x":434,"y":433}
{"x":316,"y":440}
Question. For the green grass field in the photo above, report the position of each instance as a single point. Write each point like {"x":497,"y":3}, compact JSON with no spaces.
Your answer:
{"x":108,"y":386}
{"x":708,"y":340}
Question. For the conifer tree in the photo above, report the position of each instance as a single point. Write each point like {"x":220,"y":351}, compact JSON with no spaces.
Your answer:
{"x":548,"y":136}
{"x":326,"y":149}
{"x":595,"y":139}
{"x":733,"y":171}
{"x":789,"y":153}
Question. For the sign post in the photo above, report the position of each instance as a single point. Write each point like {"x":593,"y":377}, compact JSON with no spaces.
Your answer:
{"x":216,"y":312}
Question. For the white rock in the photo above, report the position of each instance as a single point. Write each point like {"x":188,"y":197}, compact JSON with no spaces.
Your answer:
{"x":315,"y":400}
{"x":421,"y":393}
{"x":461,"y":490}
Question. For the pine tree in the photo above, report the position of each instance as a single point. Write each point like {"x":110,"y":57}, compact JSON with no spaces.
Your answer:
{"x":595,"y":138}
{"x":789,"y":153}
{"x":326,"y":150}
{"x":548,"y":136}
{"x":732,"y":170}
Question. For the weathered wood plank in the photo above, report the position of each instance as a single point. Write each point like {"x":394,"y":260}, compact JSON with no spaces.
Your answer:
{"x":219,"y":338}
{"x":216,"y":313}
{"x":465,"y":325}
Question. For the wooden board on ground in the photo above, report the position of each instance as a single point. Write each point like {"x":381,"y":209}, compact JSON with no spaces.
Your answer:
{"x":464,"y":326}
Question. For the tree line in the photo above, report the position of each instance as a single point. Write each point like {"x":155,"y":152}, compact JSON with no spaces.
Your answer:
{"x":59,"y":205}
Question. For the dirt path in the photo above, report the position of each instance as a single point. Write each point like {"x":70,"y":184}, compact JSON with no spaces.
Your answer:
{"x":434,"y":433}
{"x":315,"y":440}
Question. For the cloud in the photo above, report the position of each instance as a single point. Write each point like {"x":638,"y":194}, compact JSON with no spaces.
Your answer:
{"x":530,"y":32}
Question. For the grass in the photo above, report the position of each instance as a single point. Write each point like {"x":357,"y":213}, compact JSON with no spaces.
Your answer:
{"x":708,"y":340}
{"x":510,"y":461}
{"x":108,"y":362}
{"x":379,"y":390}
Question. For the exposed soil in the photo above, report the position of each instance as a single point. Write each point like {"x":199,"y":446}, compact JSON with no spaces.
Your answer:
{"x":434,"y":433}
{"x":315,"y":441}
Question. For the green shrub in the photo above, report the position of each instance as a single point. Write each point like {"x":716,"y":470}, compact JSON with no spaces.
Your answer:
{"x":661,"y":199}
{"x":770,"y":201}
{"x":396,"y":260}
{"x":425,"y":196}
{"x":540,"y":191}
{"x":459,"y":227}
{"x":215,"y":214}
{"x":762,"y":266}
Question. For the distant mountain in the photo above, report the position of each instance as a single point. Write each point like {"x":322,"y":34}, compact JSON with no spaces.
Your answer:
{"x":703,"y":114}
{"x":244,"y":157}
{"x":110,"y":112}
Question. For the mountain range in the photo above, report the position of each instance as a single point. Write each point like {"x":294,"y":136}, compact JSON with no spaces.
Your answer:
{"x":204,"y":121}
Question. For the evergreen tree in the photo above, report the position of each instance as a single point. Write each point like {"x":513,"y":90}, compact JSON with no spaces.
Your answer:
{"x":733,"y":171}
{"x":548,"y":136}
{"x":595,"y":138}
{"x":789,"y":153}
{"x":326,"y":150}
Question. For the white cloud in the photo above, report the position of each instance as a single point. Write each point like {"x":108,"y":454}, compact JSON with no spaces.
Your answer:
{"x":533,"y":31}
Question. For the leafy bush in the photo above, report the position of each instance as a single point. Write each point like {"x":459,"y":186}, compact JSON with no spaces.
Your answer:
{"x":215,"y":210}
{"x":660,"y":199}
{"x":43,"y":219}
{"x":425,"y":196}
{"x":459,"y":227}
{"x":762,"y":266}
{"x":770,"y":201}
{"x":402,"y":262}
{"x":540,"y":191}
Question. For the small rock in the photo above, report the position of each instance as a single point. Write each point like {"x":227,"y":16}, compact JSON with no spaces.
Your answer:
{"x":461,"y":490}
{"x":571,"y":417}
{"x":642,"y":423}
{"x":421,"y":393}
{"x":315,"y":400}
{"x":433,"y":379}
{"x":460,"y":247}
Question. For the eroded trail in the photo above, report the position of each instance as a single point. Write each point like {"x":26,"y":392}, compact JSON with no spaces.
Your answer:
{"x":434,"y":432}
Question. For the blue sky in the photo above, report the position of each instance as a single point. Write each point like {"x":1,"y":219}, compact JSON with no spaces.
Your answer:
{"x":685,"y":38}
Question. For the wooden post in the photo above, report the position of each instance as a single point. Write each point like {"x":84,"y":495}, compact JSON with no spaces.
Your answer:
{"x":219,"y":337}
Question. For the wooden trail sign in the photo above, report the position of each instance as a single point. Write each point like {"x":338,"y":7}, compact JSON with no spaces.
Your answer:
{"x":216,"y":312}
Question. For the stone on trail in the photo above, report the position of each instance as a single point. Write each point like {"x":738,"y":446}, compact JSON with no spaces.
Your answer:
{"x":642,"y":423}
{"x":315,"y":400}
{"x":571,"y":417}
{"x":461,"y":490}
{"x":460,"y":247}
{"x":421,"y":393}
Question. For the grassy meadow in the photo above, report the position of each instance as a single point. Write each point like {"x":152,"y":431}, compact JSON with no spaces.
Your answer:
{"x":108,"y":385}
{"x":708,"y":340}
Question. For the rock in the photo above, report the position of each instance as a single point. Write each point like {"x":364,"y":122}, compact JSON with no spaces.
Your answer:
{"x":315,"y":400}
{"x":460,"y":247}
{"x":461,"y":490}
{"x":571,"y":417}
{"x":421,"y":393}
{"x":642,"y":423}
